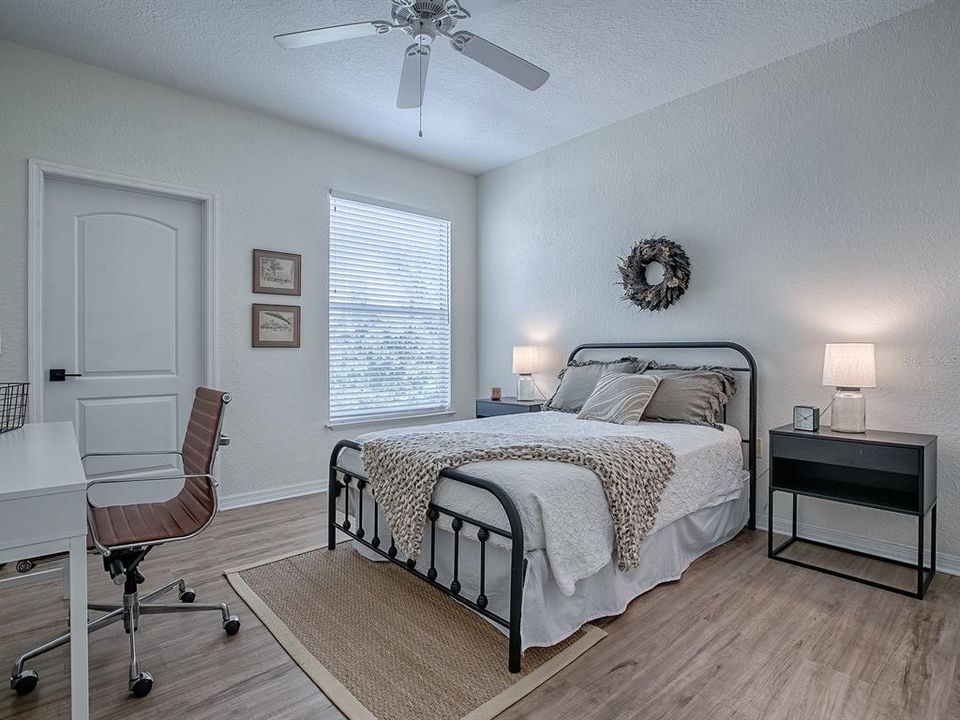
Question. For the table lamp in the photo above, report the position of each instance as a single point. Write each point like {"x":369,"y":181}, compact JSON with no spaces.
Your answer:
{"x":849,"y":367}
{"x":524,"y":365}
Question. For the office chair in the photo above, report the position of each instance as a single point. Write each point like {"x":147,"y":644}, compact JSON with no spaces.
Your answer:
{"x":124,"y":534}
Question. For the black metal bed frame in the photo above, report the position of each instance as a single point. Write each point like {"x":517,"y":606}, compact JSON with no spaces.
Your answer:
{"x":341,"y":478}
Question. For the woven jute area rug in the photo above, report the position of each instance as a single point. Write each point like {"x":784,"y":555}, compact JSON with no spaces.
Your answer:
{"x":383,"y":645}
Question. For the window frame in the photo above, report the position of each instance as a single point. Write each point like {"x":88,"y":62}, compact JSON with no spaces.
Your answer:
{"x":389,"y":416}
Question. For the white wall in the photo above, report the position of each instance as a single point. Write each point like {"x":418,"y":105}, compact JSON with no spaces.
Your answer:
{"x":272,"y":178}
{"x":818,"y":199}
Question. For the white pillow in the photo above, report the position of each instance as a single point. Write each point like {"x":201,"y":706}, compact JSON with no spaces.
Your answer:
{"x":619,"y":398}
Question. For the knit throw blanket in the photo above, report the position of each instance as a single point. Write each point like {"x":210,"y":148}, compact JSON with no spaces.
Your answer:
{"x":403,"y":470}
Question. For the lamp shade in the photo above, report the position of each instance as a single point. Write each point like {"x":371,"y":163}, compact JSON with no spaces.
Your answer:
{"x":524,"y":359}
{"x":852,"y":365}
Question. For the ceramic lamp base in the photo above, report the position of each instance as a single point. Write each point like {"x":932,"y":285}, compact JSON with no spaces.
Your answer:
{"x":849,"y":411}
{"x":526,"y":390}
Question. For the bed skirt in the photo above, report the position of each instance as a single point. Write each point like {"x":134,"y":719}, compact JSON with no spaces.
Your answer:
{"x":549,"y":616}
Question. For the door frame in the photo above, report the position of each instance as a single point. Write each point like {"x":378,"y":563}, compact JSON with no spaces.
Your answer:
{"x":39,"y":171}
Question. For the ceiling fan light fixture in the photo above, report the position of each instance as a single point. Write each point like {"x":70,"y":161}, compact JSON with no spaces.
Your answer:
{"x":424,"y":34}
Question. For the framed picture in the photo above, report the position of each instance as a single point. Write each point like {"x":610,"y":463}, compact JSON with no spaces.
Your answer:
{"x":276,"y":326}
{"x":276,"y":273}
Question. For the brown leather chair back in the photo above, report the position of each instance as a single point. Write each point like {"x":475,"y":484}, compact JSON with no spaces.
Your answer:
{"x":200,"y":444}
{"x":192,"y":508}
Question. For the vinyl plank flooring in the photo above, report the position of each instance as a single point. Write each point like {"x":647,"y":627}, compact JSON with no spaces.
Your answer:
{"x":738,"y":638}
{"x":200,"y":673}
{"x":743,"y":635}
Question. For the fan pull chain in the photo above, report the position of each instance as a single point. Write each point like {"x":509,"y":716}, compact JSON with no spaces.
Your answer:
{"x":420,"y":61}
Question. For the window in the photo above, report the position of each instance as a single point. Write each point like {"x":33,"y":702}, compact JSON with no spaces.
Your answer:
{"x":389,"y":312}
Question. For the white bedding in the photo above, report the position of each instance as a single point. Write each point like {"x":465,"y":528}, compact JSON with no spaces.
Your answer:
{"x":562,"y":507}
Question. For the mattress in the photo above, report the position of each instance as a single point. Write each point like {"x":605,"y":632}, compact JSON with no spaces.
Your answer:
{"x":562,"y":507}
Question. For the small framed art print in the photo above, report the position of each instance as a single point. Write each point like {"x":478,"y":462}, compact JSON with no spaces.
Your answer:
{"x":277,"y":273}
{"x":276,"y":326}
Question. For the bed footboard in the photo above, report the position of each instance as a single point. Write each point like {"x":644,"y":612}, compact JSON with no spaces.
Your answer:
{"x":341,"y":479}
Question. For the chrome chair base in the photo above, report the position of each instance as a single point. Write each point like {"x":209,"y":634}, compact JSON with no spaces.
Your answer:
{"x":129,"y":611}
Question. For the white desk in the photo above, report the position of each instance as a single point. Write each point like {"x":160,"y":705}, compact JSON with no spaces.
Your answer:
{"x":43,"y":510}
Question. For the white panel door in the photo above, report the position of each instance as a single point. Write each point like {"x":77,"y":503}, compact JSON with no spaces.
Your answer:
{"x":123,"y":312}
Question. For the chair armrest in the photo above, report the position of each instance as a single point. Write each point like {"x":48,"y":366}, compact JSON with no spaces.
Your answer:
{"x":144,"y":478}
{"x":134,"y":453}
{"x":120,"y":479}
{"x":131,"y":452}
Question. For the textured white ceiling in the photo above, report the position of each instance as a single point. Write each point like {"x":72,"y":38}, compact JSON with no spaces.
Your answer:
{"x":608,"y":59}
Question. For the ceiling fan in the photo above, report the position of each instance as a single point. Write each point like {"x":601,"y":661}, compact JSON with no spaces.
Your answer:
{"x":425,"y":21}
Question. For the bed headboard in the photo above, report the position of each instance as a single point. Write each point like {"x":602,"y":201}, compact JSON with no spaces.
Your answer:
{"x":750,"y":439}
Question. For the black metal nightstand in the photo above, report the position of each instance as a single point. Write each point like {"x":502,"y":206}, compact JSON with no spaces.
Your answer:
{"x":507,"y":406}
{"x":891,"y":471}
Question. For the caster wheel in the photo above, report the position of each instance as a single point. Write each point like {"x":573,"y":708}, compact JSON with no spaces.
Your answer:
{"x":141,"y":685}
{"x":25,"y":566}
{"x":25,"y":682}
{"x":231,"y":625}
{"x":188,"y":596}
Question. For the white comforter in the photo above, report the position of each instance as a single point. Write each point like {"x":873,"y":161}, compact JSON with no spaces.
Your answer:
{"x":563,"y":507}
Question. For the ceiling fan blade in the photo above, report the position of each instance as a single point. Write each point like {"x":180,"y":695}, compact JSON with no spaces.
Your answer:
{"x":499,"y":60}
{"x":332,"y":33}
{"x":413,"y":77}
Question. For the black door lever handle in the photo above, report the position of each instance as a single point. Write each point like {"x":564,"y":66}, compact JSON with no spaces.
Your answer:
{"x":59,"y":375}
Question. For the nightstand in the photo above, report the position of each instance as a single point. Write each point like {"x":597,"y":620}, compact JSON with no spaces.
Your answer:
{"x":507,"y":406}
{"x":890,"y":471}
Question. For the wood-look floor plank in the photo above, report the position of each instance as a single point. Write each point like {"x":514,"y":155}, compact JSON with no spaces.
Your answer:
{"x":740,"y":637}
{"x":200,"y":673}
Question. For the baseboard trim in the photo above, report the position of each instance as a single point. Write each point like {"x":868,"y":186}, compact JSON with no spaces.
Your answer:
{"x":258,"y":497}
{"x":947,"y":564}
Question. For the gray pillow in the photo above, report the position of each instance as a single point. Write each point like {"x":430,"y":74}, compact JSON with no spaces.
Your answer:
{"x":727,"y":379}
{"x":693,"y":396}
{"x":579,"y":378}
{"x":619,"y":398}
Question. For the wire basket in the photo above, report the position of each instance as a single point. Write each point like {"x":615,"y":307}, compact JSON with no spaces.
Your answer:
{"x":13,"y":405}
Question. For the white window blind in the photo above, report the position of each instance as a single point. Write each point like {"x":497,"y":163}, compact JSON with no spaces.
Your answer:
{"x":389,"y":312}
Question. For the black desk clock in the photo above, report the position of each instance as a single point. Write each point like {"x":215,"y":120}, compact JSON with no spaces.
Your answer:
{"x":806,"y":418}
